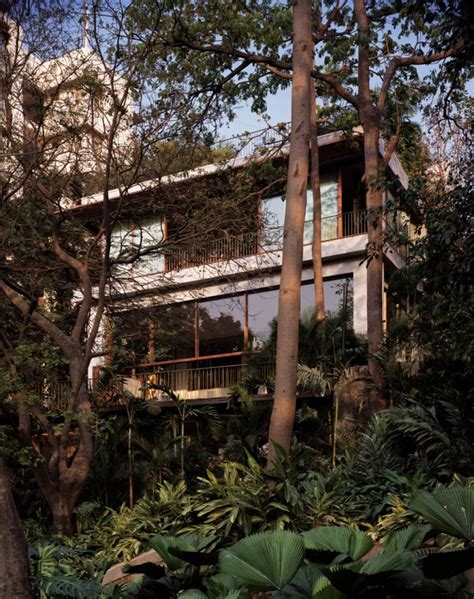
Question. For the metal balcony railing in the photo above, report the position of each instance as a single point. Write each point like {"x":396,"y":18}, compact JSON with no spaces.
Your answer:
{"x":188,"y":383}
{"x":191,"y":380}
{"x":264,"y":241}
{"x":255,"y":143}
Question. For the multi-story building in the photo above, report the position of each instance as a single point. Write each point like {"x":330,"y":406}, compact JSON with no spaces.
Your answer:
{"x":197,"y":255}
{"x":56,"y":114}
{"x":198,"y":259}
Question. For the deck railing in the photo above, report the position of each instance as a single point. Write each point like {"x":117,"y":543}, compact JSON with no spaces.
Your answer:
{"x":255,"y":143}
{"x":188,"y":381}
{"x":264,"y":241}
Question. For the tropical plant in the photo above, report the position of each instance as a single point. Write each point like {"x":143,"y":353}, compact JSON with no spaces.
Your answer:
{"x":328,"y":562}
{"x":54,"y":577}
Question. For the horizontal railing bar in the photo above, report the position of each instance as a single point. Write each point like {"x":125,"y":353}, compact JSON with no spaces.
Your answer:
{"x":193,"y":359}
{"x":207,"y":368}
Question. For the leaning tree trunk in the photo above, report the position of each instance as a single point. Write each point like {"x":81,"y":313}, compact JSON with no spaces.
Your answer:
{"x":284,"y":406}
{"x":14,"y":566}
{"x":316,"y":189}
{"x":373,"y":171}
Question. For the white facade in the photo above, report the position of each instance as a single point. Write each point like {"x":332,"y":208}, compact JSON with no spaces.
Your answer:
{"x":159,"y":280}
{"x":59,"y":112}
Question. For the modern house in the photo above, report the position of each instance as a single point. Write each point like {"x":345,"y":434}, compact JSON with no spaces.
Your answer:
{"x":196,"y":254}
{"x":198,"y":258}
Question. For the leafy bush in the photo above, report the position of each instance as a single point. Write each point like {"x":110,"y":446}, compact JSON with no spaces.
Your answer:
{"x":324,"y":562}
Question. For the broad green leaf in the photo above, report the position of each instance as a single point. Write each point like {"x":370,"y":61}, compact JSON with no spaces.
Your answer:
{"x":339,"y":539}
{"x":386,"y":562}
{"x":193,"y":594}
{"x":323,"y":589}
{"x":169,"y":548}
{"x":448,"y":510}
{"x":265,"y":561}
{"x":302,"y":584}
{"x":406,"y":539}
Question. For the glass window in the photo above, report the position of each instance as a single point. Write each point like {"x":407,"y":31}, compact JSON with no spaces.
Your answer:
{"x":338,"y":291}
{"x":149,"y":235}
{"x":263,"y":308}
{"x":130,"y":334}
{"x":221,"y":326}
{"x":173,"y":331}
{"x":121,"y":242}
{"x":273,"y":221}
{"x":128,"y":238}
{"x":329,"y":208}
{"x":333,"y":296}
{"x":307,"y":298}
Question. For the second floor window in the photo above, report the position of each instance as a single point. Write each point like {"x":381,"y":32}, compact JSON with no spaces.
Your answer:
{"x":138,"y":244}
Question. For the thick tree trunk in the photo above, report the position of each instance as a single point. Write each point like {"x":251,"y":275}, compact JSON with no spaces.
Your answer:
{"x":373,"y":169}
{"x":284,"y":406}
{"x":62,"y":517}
{"x":316,"y":189}
{"x":72,"y":471}
{"x":14,"y":566}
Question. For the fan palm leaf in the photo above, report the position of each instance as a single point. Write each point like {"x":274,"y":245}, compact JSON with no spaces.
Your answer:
{"x":265,"y":561}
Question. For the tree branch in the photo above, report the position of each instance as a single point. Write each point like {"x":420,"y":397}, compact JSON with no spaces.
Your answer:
{"x":405,"y":61}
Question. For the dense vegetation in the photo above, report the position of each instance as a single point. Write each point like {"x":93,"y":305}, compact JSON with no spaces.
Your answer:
{"x":368,"y":506}
{"x":424,"y":441}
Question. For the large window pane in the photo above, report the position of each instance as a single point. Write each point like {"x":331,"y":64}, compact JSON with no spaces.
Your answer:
{"x":121,"y":243}
{"x":130,"y":335}
{"x":273,"y":220}
{"x":333,"y":296}
{"x":263,"y":308}
{"x":173,"y":331}
{"x":329,"y":208}
{"x":221,"y":326}
{"x":334,"y":291}
{"x":145,"y":237}
{"x":148,"y":237}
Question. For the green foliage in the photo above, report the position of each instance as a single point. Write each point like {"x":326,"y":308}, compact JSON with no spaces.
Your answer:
{"x":334,"y":539}
{"x":324,"y":562}
{"x":177,"y":551}
{"x":56,"y":573}
{"x":448,"y":510}
{"x":63,"y":585}
{"x":265,"y":561}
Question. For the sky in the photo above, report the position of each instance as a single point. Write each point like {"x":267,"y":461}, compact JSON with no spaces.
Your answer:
{"x":278,"y":105}
{"x":278,"y":109}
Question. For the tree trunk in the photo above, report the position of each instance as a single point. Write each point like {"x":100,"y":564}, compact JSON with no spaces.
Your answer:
{"x":14,"y":566}
{"x":284,"y":406}
{"x":72,"y":471}
{"x":316,"y":189}
{"x":130,"y":466}
{"x":373,"y":170}
{"x":62,"y":517}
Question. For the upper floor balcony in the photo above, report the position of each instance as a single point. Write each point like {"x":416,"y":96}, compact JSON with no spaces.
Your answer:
{"x":265,"y":241}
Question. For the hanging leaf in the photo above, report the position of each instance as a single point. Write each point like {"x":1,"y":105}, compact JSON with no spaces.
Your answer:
{"x":265,"y":561}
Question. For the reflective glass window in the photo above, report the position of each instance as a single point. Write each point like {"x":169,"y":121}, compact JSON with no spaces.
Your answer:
{"x":263,"y":308}
{"x":221,"y":326}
